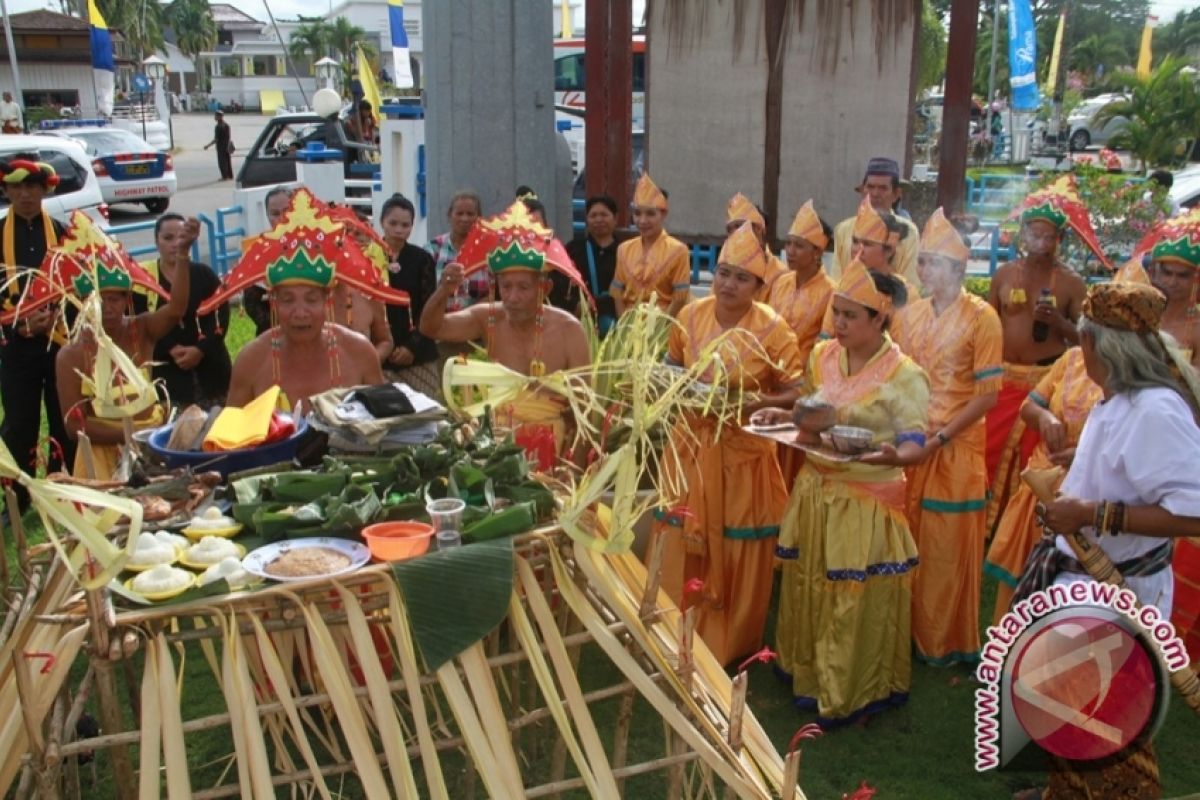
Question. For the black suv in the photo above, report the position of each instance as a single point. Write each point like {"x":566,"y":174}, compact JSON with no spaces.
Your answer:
{"x":272,"y":159}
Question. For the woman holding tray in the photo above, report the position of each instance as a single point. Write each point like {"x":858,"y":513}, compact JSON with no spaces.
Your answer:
{"x":722,"y":529}
{"x":843,"y":634}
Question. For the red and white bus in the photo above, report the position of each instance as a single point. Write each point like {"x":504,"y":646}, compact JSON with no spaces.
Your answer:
{"x":569,"y":76}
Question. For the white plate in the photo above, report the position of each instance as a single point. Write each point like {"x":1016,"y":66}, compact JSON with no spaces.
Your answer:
{"x":256,"y":563}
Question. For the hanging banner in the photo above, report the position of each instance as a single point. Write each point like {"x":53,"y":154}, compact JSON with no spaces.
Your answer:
{"x":1022,"y":56}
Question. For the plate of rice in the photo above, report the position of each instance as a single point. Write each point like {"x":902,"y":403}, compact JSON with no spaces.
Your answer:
{"x":211,"y":522}
{"x":210,"y":550}
{"x":305,"y":559}
{"x":151,"y":550}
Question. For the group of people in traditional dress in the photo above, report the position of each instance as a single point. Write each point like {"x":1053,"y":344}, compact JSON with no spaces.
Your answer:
{"x":881,"y":555}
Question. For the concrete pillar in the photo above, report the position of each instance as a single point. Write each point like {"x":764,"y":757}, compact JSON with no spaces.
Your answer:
{"x":489,"y":93}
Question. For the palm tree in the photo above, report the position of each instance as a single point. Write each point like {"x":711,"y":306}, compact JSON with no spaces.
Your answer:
{"x":1099,"y":50}
{"x":310,"y":41}
{"x":343,"y":37}
{"x":1179,"y":36}
{"x":1163,"y":112}
{"x":195,"y":30}
{"x":139,"y":22}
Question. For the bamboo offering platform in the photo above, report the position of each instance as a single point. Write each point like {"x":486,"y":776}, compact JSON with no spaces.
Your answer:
{"x":566,"y":676}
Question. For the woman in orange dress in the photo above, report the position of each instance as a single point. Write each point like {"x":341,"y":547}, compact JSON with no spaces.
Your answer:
{"x":723,"y":529}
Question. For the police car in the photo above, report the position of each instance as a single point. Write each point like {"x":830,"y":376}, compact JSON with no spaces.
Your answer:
{"x":128,"y":169}
{"x":78,"y":186}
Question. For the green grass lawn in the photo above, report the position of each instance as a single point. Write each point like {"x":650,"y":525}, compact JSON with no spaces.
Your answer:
{"x":922,"y":751}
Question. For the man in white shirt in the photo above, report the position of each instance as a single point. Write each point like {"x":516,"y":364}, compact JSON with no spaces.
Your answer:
{"x":11,"y":119}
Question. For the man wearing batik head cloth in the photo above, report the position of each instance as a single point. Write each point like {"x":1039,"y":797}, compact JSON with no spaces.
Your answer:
{"x":304,"y":353}
{"x":1173,"y":269}
{"x":955,"y":337}
{"x":801,"y":295}
{"x":653,"y":266}
{"x":735,"y":493}
{"x":1036,"y":288}
{"x":1132,"y":490}
{"x":880,"y":189}
{"x":740,"y":210}
{"x":521,"y":330}
{"x":27,"y":350}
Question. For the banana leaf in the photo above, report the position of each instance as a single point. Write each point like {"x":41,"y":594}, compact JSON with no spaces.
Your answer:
{"x":510,"y":468}
{"x":456,"y":597}
{"x":305,"y":487}
{"x":530,"y":491}
{"x":507,"y":523}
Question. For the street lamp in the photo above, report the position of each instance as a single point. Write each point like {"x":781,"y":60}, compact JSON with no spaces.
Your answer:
{"x":327,"y":70}
{"x":156,"y":70}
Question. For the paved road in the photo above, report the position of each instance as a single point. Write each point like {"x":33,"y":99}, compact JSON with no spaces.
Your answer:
{"x":195,"y":169}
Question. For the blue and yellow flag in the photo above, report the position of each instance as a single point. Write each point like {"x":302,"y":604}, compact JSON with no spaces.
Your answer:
{"x":103,"y":68}
{"x":402,"y":69}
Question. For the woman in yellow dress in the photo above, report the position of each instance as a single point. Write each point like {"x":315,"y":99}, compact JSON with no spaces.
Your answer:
{"x":956,"y":338}
{"x":723,"y":529}
{"x":844,"y":626}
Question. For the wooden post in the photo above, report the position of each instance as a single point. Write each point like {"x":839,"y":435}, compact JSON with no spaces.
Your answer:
{"x":776,"y":26}
{"x":791,"y":775}
{"x":687,"y":664}
{"x":608,"y":120}
{"x":737,"y":710}
{"x":956,"y":109}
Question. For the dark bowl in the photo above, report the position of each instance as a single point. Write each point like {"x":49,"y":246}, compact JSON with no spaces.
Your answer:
{"x":229,"y":461}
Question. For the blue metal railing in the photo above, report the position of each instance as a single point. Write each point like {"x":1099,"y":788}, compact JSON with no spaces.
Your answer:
{"x":220,"y":254}
{"x":993,"y":195}
{"x":148,"y":249}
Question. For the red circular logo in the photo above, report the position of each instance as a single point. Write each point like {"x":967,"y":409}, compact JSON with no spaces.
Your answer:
{"x":1083,"y":687}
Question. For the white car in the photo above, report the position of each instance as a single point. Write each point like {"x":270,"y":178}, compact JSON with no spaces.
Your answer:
{"x":129,"y":169}
{"x":1185,"y":191}
{"x":1086,"y":130}
{"x":77,"y":187}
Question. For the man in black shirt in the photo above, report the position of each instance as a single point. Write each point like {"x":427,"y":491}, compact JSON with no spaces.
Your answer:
{"x":595,"y":257}
{"x":29,"y":347}
{"x":223,"y":139}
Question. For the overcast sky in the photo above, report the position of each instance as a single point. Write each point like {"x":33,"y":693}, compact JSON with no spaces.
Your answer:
{"x":1165,"y":9}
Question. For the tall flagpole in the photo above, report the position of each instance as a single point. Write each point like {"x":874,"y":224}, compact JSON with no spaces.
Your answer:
{"x":12,"y":58}
{"x":287,"y":57}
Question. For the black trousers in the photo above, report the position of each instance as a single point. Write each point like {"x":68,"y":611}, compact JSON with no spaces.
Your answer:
{"x":225,"y":162}
{"x":207,"y":384}
{"x":27,"y":381}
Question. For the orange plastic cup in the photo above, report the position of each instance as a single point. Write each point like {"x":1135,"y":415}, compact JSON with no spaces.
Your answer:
{"x":398,"y":541}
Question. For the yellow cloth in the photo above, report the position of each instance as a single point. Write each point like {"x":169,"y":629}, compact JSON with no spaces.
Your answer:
{"x":776,"y":269}
{"x":655,"y":274}
{"x":735,"y":494}
{"x":802,"y":306}
{"x":239,"y":428}
{"x":531,"y":408}
{"x":904,"y":264}
{"x":1069,"y":394}
{"x":847,"y":553}
{"x":943,"y":239}
{"x":807,"y":225}
{"x":960,"y":351}
{"x":743,"y":250}
{"x":107,"y":457}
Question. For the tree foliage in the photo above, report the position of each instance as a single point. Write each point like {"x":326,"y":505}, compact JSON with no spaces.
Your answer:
{"x":310,"y":41}
{"x":1163,"y":112}
{"x":932,"y":64}
{"x":141,"y":23}
{"x":194,"y":27}
{"x":1178,"y":37}
{"x":343,"y":37}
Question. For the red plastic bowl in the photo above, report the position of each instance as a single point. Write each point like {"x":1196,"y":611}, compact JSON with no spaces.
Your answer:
{"x":398,"y":541}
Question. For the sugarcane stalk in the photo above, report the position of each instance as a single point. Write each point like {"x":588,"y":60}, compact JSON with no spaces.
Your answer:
{"x":89,"y":458}
{"x":1102,"y":570}
{"x":791,"y":775}
{"x":653,"y":577}
{"x":19,"y":542}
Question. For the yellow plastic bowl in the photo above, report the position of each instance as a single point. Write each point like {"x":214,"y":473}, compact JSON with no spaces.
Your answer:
{"x":196,"y":534}
{"x":398,"y":541}
{"x":143,"y":567}
{"x":184,"y":562}
{"x":157,"y":596}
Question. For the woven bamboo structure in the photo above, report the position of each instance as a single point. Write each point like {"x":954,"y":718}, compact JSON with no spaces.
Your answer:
{"x":323,"y":692}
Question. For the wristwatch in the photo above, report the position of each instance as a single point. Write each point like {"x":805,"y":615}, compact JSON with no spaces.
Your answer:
{"x":942,"y":438}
